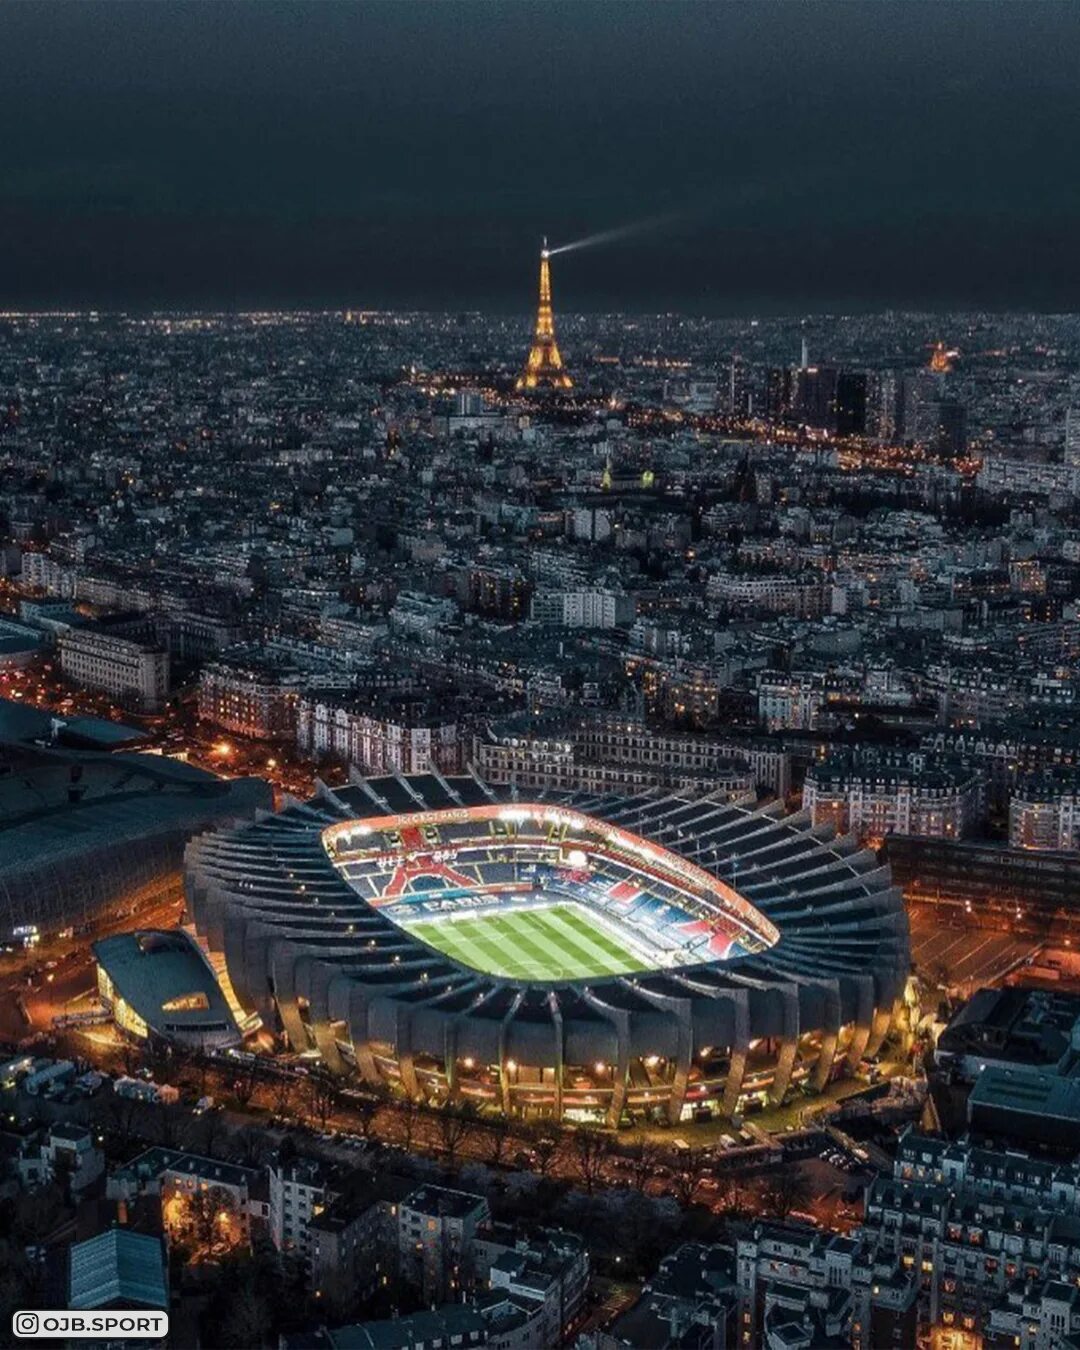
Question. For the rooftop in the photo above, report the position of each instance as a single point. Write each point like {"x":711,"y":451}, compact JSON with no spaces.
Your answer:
{"x":163,"y":976}
{"x":119,"y":1267}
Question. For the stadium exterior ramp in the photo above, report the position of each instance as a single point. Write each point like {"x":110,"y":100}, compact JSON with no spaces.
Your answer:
{"x":782,"y":967}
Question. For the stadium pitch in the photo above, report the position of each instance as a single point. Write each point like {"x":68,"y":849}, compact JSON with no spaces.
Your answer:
{"x":561,"y":943}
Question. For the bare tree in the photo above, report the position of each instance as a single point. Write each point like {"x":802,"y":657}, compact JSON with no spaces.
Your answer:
{"x":36,"y":1214}
{"x":589,"y":1153}
{"x":687,"y":1175}
{"x":211,"y":1127}
{"x":166,"y":1124}
{"x":131,"y":1058}
{"x":546,"y":1150}
{"x":283,"y":1095}
{"x":121,"y":1113}
{"x":735,"y":1201}
{"x":321,"y":1097}
{"x":498,"y":1137}
{"x":245,"y":1083}
{"x":783,"y":1190}
{"x":364,"y":1112}
{"x":456,"y":1125}
{"x":643,"y":1157}
{"x":249,"y":1320}
{"x":407,"y":1116}
{"x":251,"y":1144}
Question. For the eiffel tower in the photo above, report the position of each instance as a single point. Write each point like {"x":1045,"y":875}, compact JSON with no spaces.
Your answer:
{"x":544,"y":368}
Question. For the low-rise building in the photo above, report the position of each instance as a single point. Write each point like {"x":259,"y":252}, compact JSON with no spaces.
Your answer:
{"x":802,"y":1287}
{"x":1044,"y":811}
{"x":875,"y":796}
{"x":974,"y":1226}
{"x":384,"y":732}
{"x":118,"y":1269}
{"x":613,"y":753}
{"x":157,"y":983}
{"x":135,"y":673}
{"x":247,"y":697}
{"x":63,"y":1152}
{"x":175,"y":1175}
{"x":354,"y":1240}
{"x":437,"y":1228}
{"x":300,"y":1191}
{"x":691,"y":1301}
{"x":546,"y":1278}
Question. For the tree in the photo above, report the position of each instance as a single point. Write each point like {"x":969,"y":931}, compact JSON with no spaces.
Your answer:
{"x":686,"y":1178}
{"x":204,"y":1219}
{"x":131,"y":1058}
{"x":38,"y":1213}
{"x":498,"y":1138}
{"x":19,"y":1282}
{"x":784,"y":1190}
{"x":121,"y":1114}
{"x":160,"y":1059}
{"x":249,"y":1319}
{"x":282,"y":1095}
{"x":245,"y":1083}
{"x":407,"y":1115}
{"x":364,"y":1112}
{"x":643,"y":1158}
{"x":166,"y":1124}
{"x":589,"y":1155}
{"x":321,"y":1096}
{"x":737,"y":1203}
{"x":210,"y":1129}
{"x":547,"y":1152}
{"x":251,"y":1143}
{"x":456,"y":1125}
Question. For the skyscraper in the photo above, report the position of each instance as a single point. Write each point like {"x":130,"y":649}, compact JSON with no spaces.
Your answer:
{"x":851,"y":402}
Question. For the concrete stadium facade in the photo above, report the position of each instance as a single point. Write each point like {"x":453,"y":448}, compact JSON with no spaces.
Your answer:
{"x":808,"y":994}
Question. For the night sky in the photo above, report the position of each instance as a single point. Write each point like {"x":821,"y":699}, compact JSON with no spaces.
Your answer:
{"x":800,"y":156}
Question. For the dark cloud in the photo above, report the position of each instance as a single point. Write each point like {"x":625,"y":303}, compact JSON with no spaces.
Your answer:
{"x":858,"y":154}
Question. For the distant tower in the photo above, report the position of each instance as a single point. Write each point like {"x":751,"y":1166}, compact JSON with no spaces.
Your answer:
{"x":544,"y":368}
{"x":940,"y":359}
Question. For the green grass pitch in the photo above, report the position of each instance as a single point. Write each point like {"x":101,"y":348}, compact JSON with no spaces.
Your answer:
{"x":562,"y":943}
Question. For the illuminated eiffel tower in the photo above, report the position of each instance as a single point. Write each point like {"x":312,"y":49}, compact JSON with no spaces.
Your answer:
{"x":544,"y":368}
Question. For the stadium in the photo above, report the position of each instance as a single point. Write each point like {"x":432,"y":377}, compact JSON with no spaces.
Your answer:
{"x":573,"y":957}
